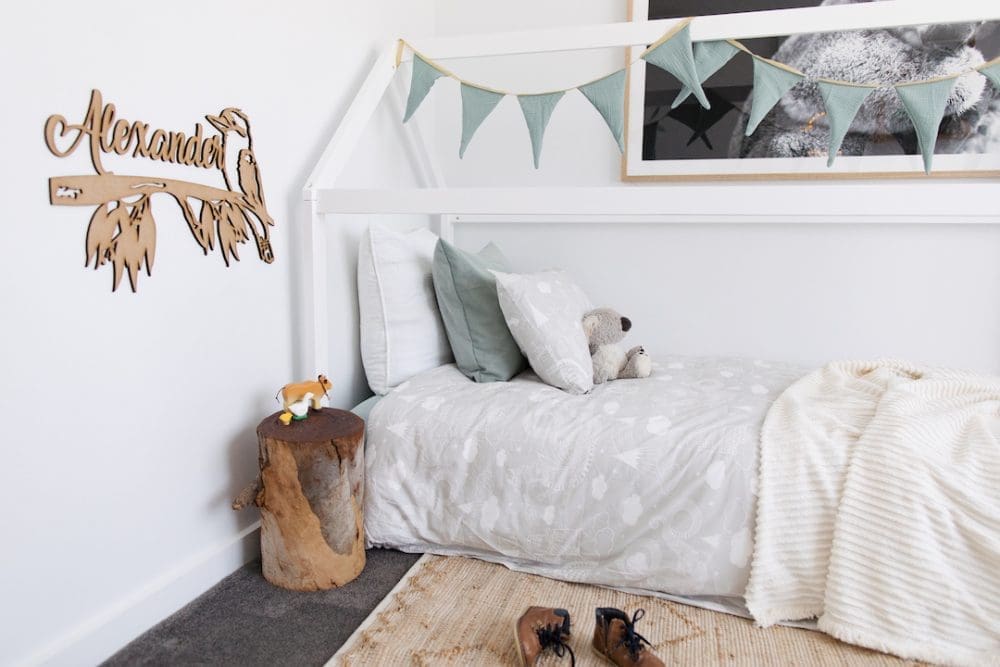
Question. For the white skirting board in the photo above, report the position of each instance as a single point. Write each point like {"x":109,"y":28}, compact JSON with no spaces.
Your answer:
{"x":114,"y":626}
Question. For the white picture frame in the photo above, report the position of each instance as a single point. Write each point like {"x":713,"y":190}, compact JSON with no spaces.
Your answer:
{"x":783,"y":22}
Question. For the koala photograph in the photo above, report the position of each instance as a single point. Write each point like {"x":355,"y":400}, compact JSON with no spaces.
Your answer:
{"x":798,"y":126}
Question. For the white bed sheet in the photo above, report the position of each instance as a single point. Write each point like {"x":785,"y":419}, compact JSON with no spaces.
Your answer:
{"x":640,"y":484}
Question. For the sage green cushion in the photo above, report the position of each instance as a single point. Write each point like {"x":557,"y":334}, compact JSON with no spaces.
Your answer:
{"x":467,"y":297}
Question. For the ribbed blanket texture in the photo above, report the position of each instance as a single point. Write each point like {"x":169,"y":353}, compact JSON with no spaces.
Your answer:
{"x":878,"y":510}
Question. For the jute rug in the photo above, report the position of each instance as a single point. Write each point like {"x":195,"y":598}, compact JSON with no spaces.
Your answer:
{"x":461,"y":611}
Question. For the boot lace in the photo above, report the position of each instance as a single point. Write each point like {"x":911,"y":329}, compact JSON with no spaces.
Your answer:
{"x":551,"y":636}
{"x":632,"y":640}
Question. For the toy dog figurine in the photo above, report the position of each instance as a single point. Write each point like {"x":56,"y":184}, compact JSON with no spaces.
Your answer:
{"x":296,"y":398}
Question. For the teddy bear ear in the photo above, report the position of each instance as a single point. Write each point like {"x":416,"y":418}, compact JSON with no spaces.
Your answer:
{"x":590,"y":323}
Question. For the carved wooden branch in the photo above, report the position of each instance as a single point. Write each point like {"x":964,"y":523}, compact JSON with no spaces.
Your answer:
{"x":248,"y":495}
{"x":99,"y":189}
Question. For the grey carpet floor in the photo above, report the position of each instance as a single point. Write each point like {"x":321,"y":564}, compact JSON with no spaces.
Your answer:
{"x":246,"y":621}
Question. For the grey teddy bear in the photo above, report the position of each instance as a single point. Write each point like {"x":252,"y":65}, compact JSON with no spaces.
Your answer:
{"x":605,"y":328}
{"x":797,"y":126}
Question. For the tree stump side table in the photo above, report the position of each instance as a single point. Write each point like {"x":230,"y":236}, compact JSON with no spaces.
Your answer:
{"x":310,"y":494}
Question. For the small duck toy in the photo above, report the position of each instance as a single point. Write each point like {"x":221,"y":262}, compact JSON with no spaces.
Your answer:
{"x":298,"y":397}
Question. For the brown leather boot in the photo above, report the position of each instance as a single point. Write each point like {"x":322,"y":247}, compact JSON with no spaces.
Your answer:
{"x":542,"y":628}
{"x":616,"y":640}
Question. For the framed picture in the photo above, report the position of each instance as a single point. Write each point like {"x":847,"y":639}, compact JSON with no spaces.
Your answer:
{"x":692,"y":143}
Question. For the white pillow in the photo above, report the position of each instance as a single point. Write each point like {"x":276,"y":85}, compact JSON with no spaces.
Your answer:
{"x":401,"y":329}
{"x":544,"y":312}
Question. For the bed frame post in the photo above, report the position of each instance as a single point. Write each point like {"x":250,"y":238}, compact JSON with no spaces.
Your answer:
{"x":446,"y":227}
{"x":314,"y":339}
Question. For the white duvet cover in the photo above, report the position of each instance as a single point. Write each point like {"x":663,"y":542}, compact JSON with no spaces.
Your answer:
{"x":644,"y":484}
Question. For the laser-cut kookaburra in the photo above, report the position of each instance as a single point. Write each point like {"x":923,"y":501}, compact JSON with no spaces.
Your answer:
{"x":240,"y":169}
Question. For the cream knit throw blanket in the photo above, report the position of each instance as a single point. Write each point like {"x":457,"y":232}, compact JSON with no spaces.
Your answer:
{"x":879,"y":510}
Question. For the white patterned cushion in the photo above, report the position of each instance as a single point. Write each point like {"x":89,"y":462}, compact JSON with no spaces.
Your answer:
{"x":544,"y":312}
{"x":401,"y":329}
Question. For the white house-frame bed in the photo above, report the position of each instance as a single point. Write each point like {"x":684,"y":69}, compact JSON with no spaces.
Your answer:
{"x":440,"y":474}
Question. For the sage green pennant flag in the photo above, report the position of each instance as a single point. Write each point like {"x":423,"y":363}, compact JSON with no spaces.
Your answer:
{"x":770,"y":82}
{"x":842,"y":103}
{"x":709,"y":57}
{"x":675,"y":55}
{"x":424,"y":76}
{"x":925,"y":104}
{"x":608,"y":97}
{"x":992,"y":72}
{"x":477,"y":103}
{"x":537,"y":110}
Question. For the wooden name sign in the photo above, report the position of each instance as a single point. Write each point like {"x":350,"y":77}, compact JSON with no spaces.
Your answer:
{"x":122,"y":231}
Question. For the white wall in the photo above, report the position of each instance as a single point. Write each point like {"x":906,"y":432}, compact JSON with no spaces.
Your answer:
{"x":805,"y":293}
{"x":129,"y":418}
{"x":796,"y":292}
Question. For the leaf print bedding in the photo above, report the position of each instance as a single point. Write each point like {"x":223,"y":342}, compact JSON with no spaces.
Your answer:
{"x":643,"y":484}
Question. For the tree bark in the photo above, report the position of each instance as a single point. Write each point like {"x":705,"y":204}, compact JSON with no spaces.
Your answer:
{"x":312,"y":493}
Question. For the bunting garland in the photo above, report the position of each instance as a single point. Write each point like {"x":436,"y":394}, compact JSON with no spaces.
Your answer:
{"x":992,"y":72}
{"x":424,"y":76}
{"x":537,"y":110}
{"x":673,"y":53}
{"x":925,"y":102}
{"x":842,"y":103}
{"x":477,"y":103}
{"x":608,"y":97}
{"x":709,"y":58}
{"x":771,"y":80}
